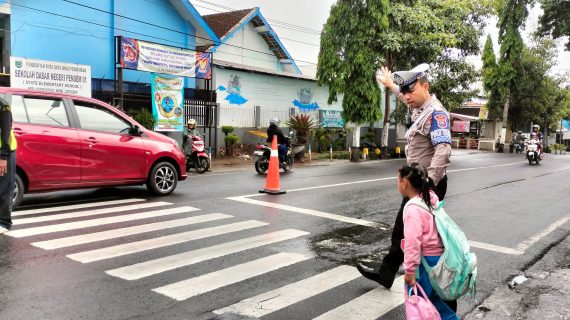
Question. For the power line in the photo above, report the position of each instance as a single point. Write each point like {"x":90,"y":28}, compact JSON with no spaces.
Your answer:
{"x":125,"y":30}
{"x":143,"y":22}
{"x":307,"y":43}
{"x":297,"y":27}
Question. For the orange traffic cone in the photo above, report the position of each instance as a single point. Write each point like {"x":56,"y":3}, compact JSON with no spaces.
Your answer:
{"x":272,"y":184}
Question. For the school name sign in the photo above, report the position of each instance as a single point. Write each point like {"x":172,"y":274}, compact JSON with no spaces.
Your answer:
{"x":153,"y":57}
{"x":52,"y":76}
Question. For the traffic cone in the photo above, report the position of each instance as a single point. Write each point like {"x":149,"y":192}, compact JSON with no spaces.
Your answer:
{"x":272,"y":184}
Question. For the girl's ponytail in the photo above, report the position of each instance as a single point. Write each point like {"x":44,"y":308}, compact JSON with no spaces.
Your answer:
{"x":419,"y":179}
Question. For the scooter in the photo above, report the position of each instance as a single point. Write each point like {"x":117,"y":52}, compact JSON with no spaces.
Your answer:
{"x":519,"y":147}
{"x":262,"y":155}
{"x":532,"y":154}
{"x":197,"y":158}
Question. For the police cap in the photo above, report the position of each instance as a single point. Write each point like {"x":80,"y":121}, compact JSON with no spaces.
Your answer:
{"x":406,"y":80}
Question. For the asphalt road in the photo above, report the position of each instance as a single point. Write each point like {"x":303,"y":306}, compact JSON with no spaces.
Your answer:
{"x":217,"y":249}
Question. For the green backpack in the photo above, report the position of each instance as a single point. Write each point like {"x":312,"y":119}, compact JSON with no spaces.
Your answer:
{"x":456,"y":271}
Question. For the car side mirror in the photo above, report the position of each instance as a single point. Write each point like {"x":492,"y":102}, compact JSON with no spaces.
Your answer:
{"x":136,"y":131}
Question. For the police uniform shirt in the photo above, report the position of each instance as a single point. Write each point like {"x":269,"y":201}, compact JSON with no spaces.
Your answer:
{"x":430,"y":143}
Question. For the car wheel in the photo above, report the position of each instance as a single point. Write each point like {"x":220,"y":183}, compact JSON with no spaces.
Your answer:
{"x":162,"y":179}
{"x":18,"y":191}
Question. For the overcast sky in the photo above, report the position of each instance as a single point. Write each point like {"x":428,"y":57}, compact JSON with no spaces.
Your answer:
{"x":298,"y":23}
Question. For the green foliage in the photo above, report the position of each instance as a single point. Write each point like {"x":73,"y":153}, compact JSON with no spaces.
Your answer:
{"x":231,"y":139}
{"x":556,"y":19}
{"x":512,"y":17}
{"x":349,"y":56}
{"x":326,"y":137}
{"x":144,"y":117}
{"x":490,"y":75}
{"x":302,"y":124}
{"x":227,"y":130}
{"x":453,"y":77}
{"x":337,"y":155}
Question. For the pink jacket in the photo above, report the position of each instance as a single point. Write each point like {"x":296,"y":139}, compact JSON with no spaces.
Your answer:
{"x":420,"y":236}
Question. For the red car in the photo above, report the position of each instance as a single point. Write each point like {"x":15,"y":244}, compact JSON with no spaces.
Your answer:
{"x":71,"y":142}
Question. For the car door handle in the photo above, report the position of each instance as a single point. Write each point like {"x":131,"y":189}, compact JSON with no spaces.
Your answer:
{"x":90,"y":140}
{"x":18,"y":131}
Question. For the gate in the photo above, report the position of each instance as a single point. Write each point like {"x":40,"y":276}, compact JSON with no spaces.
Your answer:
{"x":206,"y":115}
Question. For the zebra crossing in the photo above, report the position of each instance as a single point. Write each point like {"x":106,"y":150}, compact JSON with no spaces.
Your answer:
{"x":75,"y":220}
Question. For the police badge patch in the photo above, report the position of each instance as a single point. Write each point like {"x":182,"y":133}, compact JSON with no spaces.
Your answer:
{"x":439,"y":130}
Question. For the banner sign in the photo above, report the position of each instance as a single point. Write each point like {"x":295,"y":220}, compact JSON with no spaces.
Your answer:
{"x":167,"y":103}
{"x":460,"y":126}
{"x":52,"y":76}
{"x":152,"y":57}
{"x":331,"y":119}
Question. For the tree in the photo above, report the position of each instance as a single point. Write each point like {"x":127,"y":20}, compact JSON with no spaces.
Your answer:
{"x":489,"y":74}
{"x":556,"y":19}
{"x":453,"y":77}
{"x":512,"y":16}
{"x":349,"y":56}
{"x":425,"y":31}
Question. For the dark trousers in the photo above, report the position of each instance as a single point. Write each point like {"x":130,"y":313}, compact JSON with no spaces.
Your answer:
{"x":7,"y":182}
{"x":282,"y":151}
{"x":395,"y":257}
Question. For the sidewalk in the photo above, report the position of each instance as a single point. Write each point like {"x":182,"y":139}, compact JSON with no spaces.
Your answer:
{"x":226,"y":164}
{"x":545,"y":295}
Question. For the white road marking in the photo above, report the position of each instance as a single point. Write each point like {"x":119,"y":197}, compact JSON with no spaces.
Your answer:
{"x":154,"y":243}
{"x":96,"y":222}
{"x":73,"y":207}
{"x":148,"y":268}
{"x":290,"y":294}
{"x":371,"y":305}
{"x":492,"y":247}
{"x":123,"y":232}
{"x":183,"y":290}
{"x":70,"y":215}
{"x":532,"y":240}
{"x":306,"y":211}
{"x":379,"y":179}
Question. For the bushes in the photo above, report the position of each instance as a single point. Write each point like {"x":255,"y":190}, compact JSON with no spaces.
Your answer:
{"x":144,"y":117}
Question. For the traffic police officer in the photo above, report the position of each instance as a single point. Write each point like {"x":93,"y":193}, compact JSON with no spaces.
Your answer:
{"x":428,"y":143}
{"x":7,"y":166}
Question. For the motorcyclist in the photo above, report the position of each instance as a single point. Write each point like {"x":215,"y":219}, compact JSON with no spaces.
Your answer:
{"x":518,"y":140}
{"x":273,"y":130}
{"x":537,"y":136}
{"x":189,"y":132}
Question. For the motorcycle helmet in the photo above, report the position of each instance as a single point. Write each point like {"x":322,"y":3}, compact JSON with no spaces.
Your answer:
{"x":274,"y":121}
{"x":191,"y":123}
{"x":536,"y":127}
{"x":533,"y":135}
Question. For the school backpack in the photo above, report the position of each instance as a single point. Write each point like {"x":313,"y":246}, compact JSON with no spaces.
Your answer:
{"x":456,"y":270}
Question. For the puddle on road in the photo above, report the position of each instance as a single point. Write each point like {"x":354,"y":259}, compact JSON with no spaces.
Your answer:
{"x":352,"y":244}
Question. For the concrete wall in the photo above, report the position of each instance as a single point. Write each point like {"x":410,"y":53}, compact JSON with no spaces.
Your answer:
{"x":259,"y":55}
{"x":267,"y":91}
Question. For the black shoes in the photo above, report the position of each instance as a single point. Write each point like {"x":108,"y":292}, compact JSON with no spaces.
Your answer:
{"x":386,"y":279}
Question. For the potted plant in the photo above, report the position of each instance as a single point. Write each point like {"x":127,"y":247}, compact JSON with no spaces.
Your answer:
{"x":302,"y":124}
{"x":231,"y":140}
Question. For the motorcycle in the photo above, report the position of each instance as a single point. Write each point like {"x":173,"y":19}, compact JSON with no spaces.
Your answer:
{"x":262,"y":155}
{"x":197,"y":158}
{"x":519,"y":147}
{"x":532,"y":153}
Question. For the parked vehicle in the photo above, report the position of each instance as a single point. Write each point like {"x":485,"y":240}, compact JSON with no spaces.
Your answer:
{"x":197,"y":158}
{"x":70,"y":142}
{"x":262,"y":155}
{"x":532,"y":153}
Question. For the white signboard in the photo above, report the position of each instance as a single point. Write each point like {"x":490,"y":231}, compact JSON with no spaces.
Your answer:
{"x":50,"y":76}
